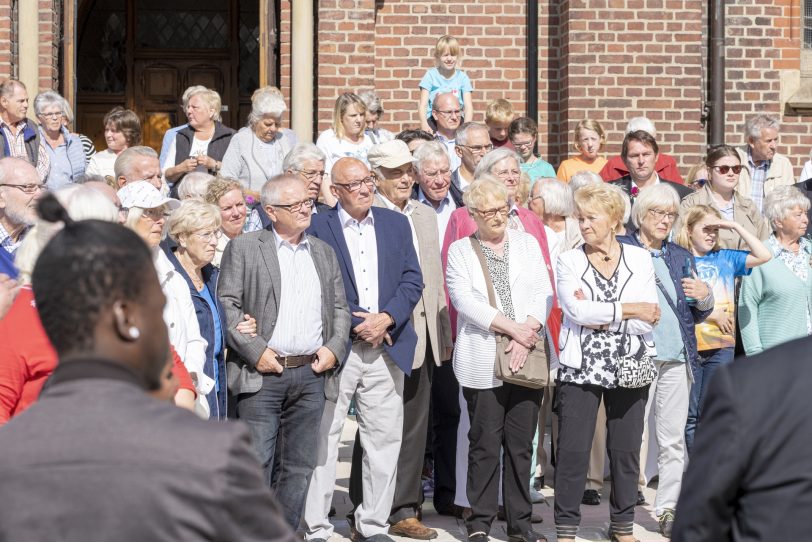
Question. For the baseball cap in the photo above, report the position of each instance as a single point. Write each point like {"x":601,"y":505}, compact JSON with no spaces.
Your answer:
{"x":391,"y":154}
{"x":145,"y":196}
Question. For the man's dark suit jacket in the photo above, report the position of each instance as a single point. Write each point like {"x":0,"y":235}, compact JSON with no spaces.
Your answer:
{"x":400,"y":281}
{"x":96,"y":458}
{"x":806,"y":188}
{"x":626,"y":184}
{"x":750,"y":475}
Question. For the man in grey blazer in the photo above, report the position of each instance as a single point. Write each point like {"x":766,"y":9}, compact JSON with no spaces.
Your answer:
{"x":290,"y":282}
{"x":391,"y":164}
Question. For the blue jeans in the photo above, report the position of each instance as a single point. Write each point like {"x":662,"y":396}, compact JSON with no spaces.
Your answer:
{"x":282,"y":417}
{"x":709,"y":361}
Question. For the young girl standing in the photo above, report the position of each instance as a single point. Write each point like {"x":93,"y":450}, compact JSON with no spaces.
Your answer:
{"x":445,"y":77}
{"x":718,"y":268}
{"x":588,"y":140}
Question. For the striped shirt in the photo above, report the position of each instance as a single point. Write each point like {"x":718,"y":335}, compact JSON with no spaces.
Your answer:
{"x":758,"y":175}
{"x":16,"y":147}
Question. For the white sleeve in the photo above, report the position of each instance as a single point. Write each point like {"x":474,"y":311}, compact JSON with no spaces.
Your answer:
{"x":459,"y":280}
{"x":584,"y":312}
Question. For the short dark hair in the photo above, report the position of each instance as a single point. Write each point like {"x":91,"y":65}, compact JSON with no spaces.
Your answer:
{"x":522,"y":125}
{"x":641,"y":137}
{"x":83,"y":269}
{"x":126,"y":122}
{"x":407,"y":136}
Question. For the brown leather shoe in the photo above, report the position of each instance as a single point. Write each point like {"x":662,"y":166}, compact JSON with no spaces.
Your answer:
{"x":412,"y":528}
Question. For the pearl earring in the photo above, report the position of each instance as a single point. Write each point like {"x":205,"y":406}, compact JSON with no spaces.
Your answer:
{"x":134,"y":332}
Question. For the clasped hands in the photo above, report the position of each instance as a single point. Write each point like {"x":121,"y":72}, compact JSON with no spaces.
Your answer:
{"x":374,"y":328}
{"x":523,"y":338}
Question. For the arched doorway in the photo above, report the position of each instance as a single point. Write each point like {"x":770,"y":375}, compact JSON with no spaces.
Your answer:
{"x":143,"y":54}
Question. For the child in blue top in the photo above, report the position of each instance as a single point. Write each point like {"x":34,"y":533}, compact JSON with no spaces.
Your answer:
{"x":718,"y":268}
{"x":445,"y":78}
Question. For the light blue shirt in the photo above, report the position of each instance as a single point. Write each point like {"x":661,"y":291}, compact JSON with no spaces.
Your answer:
{"x":667,"y":335}
{"x":458,"y":84}
{"x":169,"y":137}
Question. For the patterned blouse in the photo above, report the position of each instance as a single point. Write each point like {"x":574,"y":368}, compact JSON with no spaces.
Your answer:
{"x":500,"y":277}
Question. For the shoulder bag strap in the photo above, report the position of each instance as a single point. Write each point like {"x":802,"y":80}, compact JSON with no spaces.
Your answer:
{"x":481,"y":256}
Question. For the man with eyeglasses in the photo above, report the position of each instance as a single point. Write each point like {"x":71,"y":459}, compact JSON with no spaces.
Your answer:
{"x":383,"y":283}
{"x":307,"y":162}
{"x":20,"y":136}
{"x":20,"y":190}
{"x":639,"y":153}
{"x":291,"y":284}
{"x":447,"y":114}
{"x":473,"y":141}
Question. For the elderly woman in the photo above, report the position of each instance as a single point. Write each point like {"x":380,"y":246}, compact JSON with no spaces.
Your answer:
{"x":685,"y":301}
{"x":256,"y":152}
{"x":373,"y":115}
{"x":147,"y":211}
{"x":347,"y":136}
{"x":724,"y":167}
{"x":588,"y":139}
{"x":201,"y":145}
{"x":64,"y":149}
{"x":775,"y":303}
{"x":523,"y":133}
{"x":195,"y":227}
{"x":195,"y":185}
{"x":523,"y":301}
{"x":228,"y":196}
{"x":551,"y":201}
{"x":122,"y":130}
{"x":604,"y":318}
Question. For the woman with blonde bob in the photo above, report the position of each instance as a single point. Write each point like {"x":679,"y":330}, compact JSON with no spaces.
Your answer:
{"x":347,"y":136}
{"x":607,"y":291}
{"x":524,"y":298}
{"x":719,"y":268}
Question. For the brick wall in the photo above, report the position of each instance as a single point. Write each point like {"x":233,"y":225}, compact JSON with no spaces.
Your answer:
{"x":763,"y":43}
{"x":7,"y":59}
{"x":50,"y":22}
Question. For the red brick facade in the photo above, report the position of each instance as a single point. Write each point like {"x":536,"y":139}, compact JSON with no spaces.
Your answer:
{"x":603,"y":59}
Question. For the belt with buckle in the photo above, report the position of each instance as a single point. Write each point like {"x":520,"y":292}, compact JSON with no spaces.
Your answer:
{"x":291,"y":362}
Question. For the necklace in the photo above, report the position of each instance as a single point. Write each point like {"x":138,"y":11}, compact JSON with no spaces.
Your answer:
{"x":196,"y":280}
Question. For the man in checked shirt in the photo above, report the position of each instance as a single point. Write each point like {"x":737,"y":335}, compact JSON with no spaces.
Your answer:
{"x":20,"y":136}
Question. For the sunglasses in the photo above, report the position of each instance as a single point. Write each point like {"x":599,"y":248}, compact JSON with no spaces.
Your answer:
{"x":724,"y":169}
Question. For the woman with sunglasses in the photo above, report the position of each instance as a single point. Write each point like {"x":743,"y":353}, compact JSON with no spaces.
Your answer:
{"x":724,"y":167}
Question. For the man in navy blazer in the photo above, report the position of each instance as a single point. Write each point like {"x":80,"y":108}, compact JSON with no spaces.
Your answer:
{"x":383,"y":283}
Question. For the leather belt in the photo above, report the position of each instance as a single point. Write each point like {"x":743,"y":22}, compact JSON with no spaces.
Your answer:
{"x":291,"y":362}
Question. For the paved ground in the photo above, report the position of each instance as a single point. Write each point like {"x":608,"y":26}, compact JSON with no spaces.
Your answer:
{"x":594,"y":523}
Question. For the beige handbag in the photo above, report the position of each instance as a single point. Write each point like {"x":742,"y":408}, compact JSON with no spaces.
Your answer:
{"x":536,"y":370}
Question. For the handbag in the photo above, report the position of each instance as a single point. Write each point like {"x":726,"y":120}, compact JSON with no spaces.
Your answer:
{"x":635,"y":369}
{"x":535,"y":372}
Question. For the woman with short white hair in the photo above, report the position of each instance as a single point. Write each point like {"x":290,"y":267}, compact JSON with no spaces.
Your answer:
{"x":775,"y":303}
{"x":256,"y":152}
{"x":68,"y":160}
{"x":502,"y":162}
{"x":195,"y":185}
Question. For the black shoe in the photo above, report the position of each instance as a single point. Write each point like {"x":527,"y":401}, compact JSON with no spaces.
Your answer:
{"x":478,"y":536}
{"x":332,"y":512}
{"x":534,"y":518}
{"x":591,"y":498}
{"x":529,"y":536}
{"x":641,"y":500}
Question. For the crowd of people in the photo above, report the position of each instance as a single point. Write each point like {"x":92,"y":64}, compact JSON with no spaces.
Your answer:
{"x":447,"y":284}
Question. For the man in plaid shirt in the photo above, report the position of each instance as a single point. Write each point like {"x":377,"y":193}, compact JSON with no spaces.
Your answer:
{"x":19,"y":136}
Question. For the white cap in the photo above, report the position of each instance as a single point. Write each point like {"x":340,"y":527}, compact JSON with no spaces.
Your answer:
{"x":145,"y":196}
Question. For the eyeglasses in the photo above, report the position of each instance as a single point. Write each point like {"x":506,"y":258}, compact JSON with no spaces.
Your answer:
{"x":52,"y":115}
{"x":156,"y":214}
{"x":478,"y":148}
{"x":659,"y":214}
{"x":522,"y":144}
{"x":724,"y":169}
{"x":312,"y":175}
{"x":435,"y":174}
{"x":450,"y":112}
{"x":509,"y":175}
{"x":491,"y":213}
{"x":355,"y":186}
{"x":295,"y":207}
{"x":27,"y":188}
{"x":208,"y":235}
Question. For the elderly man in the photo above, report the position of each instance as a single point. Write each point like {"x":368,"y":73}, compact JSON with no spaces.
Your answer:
{"x":290,"y":282}
{"x":20,"y":136}
{"x":665,"y":166}
{"x":307,"y":162}
{"x":392,"y":166}
{"x":20,"y":189}
{"x":138,"y":163}
{"x":639,"y":153}
{"x":447,"y":114}
{"x":764,"y":169}
{"x":383,"y":284}
{"x":434,"y":187}
{"x":473,"y":141}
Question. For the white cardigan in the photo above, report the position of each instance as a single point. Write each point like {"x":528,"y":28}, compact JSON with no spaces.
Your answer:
{"x":635,"y":284}
{"x":531,"y":293}
{"x":184,"y":331}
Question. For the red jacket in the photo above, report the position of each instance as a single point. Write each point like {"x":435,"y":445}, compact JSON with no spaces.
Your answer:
{"x":666,"y":168}
{"x":462,"y":225}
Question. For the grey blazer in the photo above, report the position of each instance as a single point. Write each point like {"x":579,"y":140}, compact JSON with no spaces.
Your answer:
{"x":431,"y":312}
{"x":250,"y":283}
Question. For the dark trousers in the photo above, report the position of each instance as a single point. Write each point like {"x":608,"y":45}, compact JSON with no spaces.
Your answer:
{"x":408,"y":485}
{"x":445,"y":418}
{"x":577,"y":408}
{"x":501,"y":418}
{"x":283,"y":418}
